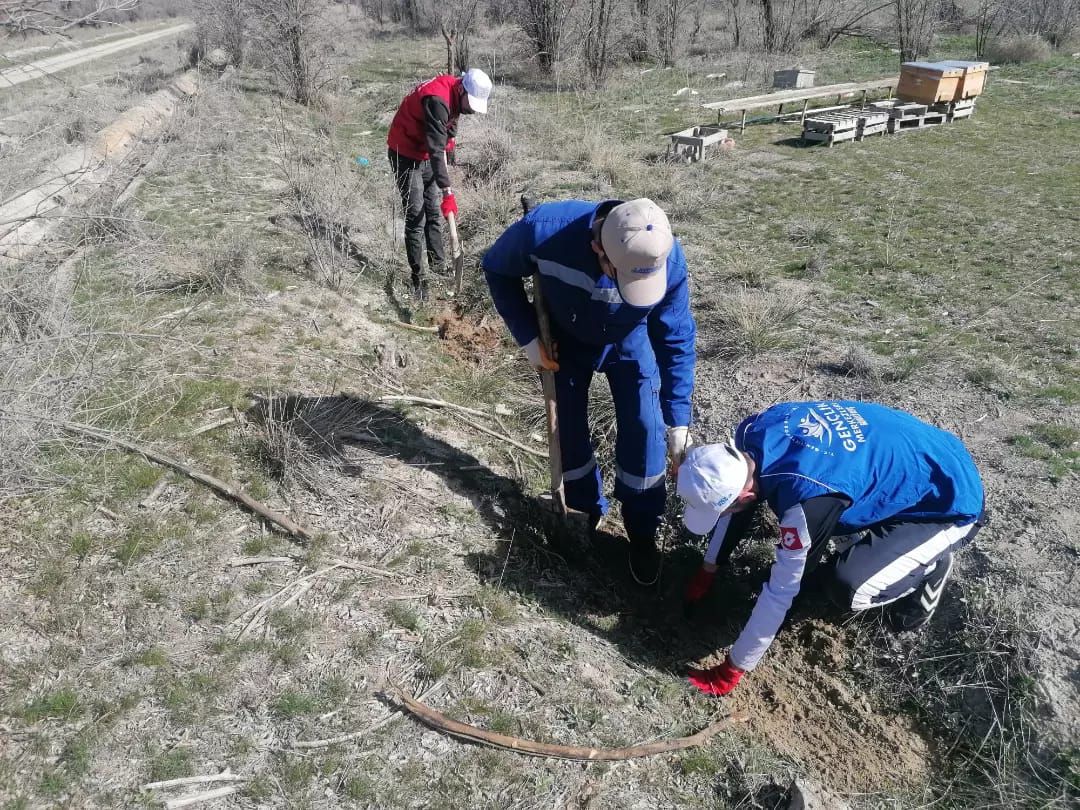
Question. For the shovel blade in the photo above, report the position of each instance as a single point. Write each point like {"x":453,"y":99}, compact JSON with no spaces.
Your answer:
{"x":459,"y":272}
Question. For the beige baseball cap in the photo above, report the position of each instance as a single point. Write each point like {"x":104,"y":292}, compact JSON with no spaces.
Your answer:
{"x":637,"y":239}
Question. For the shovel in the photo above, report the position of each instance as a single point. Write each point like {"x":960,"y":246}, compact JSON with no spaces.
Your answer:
{"x":568,"y":523}
{"x":455,"y":249}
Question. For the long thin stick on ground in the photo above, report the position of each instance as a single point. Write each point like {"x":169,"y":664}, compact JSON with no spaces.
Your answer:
{"x":433,"y":403}
{"x":224,"y":488}
{"x":198,"y":798}
{"x":507,"y":439}
{"x":195,"y":780}
{"x":355,"y":735}
{"x":440,"y":722}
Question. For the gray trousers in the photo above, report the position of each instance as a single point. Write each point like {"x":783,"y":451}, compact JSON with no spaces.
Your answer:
{"x":420,"y":199}
{"x":889,"y":562}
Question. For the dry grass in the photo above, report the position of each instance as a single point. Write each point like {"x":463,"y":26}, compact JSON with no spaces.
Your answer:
{"x":751,"y":323}
{"x":975,"y":684}
{"x":1018,"y":49}
{"x":806,"y":233}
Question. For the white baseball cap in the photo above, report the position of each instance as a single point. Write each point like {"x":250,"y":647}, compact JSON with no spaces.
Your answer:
{"x":636,"y":237}
{"x":478,"y":87}
{"x":710,"y":479}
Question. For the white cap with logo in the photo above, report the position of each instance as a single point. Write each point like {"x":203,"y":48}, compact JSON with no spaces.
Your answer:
{"x":636,"y":237}
{"x":710,"y":479}
{"x":478,"y":87}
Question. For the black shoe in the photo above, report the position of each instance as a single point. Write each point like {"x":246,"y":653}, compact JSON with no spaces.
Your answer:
{"x":644,"y":560}
{"x":915,"y":609}
{"x":420,"y":290}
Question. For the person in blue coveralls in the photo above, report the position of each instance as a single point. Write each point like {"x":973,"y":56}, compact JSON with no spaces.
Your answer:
{"x":615,"y":282}
{"x":900,"y":497}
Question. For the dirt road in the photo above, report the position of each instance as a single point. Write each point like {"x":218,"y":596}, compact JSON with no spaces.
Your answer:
{"x":43,"y":67}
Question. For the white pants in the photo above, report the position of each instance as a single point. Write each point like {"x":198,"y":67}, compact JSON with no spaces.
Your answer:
{"x":888,"y":563}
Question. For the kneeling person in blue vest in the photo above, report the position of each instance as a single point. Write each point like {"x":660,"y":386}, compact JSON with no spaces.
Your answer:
{"x":898,"y":495}
{"x":615,"y":282}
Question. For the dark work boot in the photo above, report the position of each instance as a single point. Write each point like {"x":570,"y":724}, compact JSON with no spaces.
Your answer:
{"x":644,"y":558}
{"x":419,"y":287}
{"x":915,"y":609}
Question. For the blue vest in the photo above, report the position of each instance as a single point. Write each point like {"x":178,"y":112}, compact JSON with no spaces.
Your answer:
{"x":891,"y":465}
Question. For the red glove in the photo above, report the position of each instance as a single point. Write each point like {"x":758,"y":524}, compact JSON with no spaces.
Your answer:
{"x":699,"y":585}
{"x":448,"y":205}
{"x":449,"y":144}
{"x":718,"y":680}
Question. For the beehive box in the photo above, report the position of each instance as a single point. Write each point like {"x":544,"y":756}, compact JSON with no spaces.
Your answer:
{"x":974,"y":78}
{"x":928,"y":82}
{"x":793,"y":79}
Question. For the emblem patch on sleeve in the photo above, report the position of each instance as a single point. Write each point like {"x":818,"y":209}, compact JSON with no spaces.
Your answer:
{"x":790,"y":539}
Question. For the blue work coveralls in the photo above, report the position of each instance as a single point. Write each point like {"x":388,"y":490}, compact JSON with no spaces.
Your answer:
{"x":646,"y":353}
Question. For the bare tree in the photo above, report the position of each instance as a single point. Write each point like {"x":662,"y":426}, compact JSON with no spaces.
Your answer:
{"x":988,"y":24}
{"x":222,"y":24}
{"x":597,"y":45}
{"x":667,"y":29}
{"x":295,"y":43}
{"x":544,"y":22}
{"x":916,"y":24}
{"x":21,"y":16}
{"x":456,"y":21}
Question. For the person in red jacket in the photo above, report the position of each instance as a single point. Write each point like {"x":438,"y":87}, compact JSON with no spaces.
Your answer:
{"x":421,"y":134}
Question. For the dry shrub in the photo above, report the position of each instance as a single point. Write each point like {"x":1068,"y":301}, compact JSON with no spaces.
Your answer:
{"x":805,"y":233}
{"x":752,"y":323}
{"x":221,"y":268}
{"x":489,"y":156}
{"x":974,"y":683}
{"x":1018,"y":49}
{"x":104,"y":221}
{"x":43,"y":349}
{"x":858,"y":362}
{"x":149,"y":78}
{"x":76,"y":129}
{"x":604,"y":157}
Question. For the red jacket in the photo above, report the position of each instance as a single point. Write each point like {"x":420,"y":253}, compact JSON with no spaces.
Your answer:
{"x":420,"y":125}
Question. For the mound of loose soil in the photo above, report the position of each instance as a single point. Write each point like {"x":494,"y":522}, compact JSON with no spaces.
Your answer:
{"x":800,"y":701}
{"x":466,"y":340}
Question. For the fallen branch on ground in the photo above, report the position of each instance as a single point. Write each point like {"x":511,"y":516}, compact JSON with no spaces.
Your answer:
{"x":197,"y":798}
{"x":355,"y":735}
{"x":440,"y":722}
{"x":434,"y":403}
{"x":507,"y":439}
{"x":224,"y":488}
{"x":225,"y":776}
{"x":417,"y":328}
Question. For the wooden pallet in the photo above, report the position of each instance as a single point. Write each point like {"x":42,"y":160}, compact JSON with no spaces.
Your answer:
{"x":954,"y":110}
{"x":831,"y":127}
{"x":872,"y":122}
{"x":924,"y":121}
{"x":901,"y":110}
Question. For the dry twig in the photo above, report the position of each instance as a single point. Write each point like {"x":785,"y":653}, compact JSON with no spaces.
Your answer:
{"x":440,"y":722}
{"x":229,"y":490}
{"x":224,"y":776}
{"x":198,"y":798}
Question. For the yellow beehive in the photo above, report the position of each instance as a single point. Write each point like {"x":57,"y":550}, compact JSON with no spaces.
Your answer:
{"x":928,"y":82}
{"x":973,"y":80}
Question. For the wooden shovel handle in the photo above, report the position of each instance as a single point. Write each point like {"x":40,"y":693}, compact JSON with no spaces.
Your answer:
{"x":547,"y":381}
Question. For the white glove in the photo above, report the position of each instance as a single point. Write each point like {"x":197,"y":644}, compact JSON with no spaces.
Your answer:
{"x":679,"y":441}
{"x":537,"y":357}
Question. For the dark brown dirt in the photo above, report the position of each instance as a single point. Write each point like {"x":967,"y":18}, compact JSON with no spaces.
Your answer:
{"x":471,"y":341}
